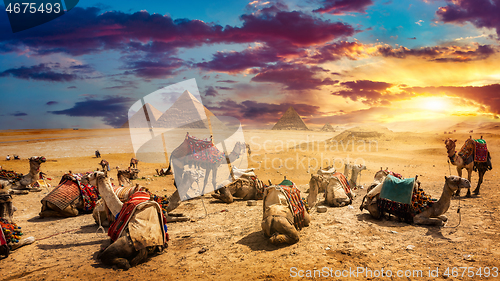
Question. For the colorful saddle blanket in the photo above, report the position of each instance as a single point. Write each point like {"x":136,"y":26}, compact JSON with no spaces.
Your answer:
{"x":296,"y":203}
{"x":11,"y":175}
{"x":122,"y":219}
{"x":343,"y":180}
{"x":396,"y":197}
{"x":11,"y":233}
{"x":203,"y":151}
{"x":399,"y":176}
{"x":69,"y":190}
{"x":64,"y":194}
{"x":474,"y":150}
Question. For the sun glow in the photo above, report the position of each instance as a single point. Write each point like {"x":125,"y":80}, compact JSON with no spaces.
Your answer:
{"x":435,"y":104}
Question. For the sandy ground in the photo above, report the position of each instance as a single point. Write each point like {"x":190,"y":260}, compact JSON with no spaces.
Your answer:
{"x":341,"y":241}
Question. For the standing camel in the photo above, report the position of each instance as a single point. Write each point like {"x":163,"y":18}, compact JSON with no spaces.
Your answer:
{"x":105,"y":165}
{"x":134,"y":163}
{"x":205,"y":155}
{"x":466,"y":159}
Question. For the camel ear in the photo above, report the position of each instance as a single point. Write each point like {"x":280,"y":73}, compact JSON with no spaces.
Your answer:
{"x":454,"y":140}
{"x":445,"y":177}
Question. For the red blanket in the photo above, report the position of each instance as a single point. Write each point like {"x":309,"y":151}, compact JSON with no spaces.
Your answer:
{"x":203,"y":150}
{"x":127,"y":211}
{"x":481,"y":154}
{"x":297,"y":206}
{"x":344,"y":182}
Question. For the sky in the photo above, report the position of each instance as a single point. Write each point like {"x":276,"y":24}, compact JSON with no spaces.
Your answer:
{"x":341,"y":62}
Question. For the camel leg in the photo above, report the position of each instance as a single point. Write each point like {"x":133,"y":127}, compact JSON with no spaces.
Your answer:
{"x":207,"y":174}
{"x":173,"y":201}
{"x":443,"y":218}
{"x":419,"y":219}
{"x":459,"y":172}
{"x":118,"y":252}
{"x":469,"y":175}
{"x":141,"y":257}
{"x":280,"y":230}
{"x":224,"y":195}
{"x":481,"y":171}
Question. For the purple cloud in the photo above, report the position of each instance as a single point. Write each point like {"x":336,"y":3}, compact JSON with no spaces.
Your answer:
{"x":39,"y":72}
{"x":340,"y":7}
{"x":294,"y":77}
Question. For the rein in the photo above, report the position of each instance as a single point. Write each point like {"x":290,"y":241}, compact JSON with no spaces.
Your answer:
{"x":99,"y":215}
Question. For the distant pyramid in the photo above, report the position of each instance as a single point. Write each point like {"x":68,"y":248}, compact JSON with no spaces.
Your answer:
{"x":327,"y":128}
{"x":140,"y":119}
{"x":290,"y":121}
{"x":188,"y":112}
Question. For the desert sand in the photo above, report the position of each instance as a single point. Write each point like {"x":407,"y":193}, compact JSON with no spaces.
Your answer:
{"x":341,"y":241}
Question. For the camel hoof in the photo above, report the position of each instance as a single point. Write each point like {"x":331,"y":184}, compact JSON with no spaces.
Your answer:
{"x":476,"y":192}
{"x":468,"y":195}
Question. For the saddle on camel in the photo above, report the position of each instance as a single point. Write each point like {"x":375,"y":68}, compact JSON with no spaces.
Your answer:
{"x":201,"y":154}
{"x":284,"y":213}
{"x":71,"y":197}
{"x":11,"y":235}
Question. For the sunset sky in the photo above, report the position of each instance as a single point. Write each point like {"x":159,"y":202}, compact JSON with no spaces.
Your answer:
{"x":337,"y":61}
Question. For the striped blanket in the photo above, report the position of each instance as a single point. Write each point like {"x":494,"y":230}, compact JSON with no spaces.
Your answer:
{"x":11,"y":175}
{"x":296,"y":203}
{"x":343,"y":180}
{"x":64,"y":194}
{"x":481,"y":151}
{"x":118,"y":227}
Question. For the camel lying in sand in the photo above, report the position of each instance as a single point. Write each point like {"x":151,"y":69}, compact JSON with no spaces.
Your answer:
{"x":334,"y":185}
{"x":433,"y":215}
{"x":133,"y":237}
{"x":279,"y":223}
{"x":66,"y":200}
{"x":246,"y":186}
{"x":11,"y":182}
{"x":125,"y":176}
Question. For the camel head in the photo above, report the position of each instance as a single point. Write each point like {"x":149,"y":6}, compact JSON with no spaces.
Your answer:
{"x":359,"y":167}
{"x":456,"y":182}
{"x":94,"y":177}
{"x":35,"y":162}
{"x":239,"y":148}
{"x":450,"y":144}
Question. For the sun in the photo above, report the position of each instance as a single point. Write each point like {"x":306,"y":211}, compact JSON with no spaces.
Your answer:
{"x":435,"y":104}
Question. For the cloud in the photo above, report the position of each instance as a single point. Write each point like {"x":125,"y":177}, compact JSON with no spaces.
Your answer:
{"x":210,"y":91}
{"x":481,"y":13}
{"x":366,"y":91}
{"x":223,"y":88}
{"x":441,"y":53}
{"x":39,"y":72}
{"x":52,"y":102}
{"x":294,"y":77}
{"x":234,"y":62}
{"x":154,"y":69}
{"x":227,"y":81}
{"x":72,"y":87}
{"x":260,"y":113}
{"x":113,"y":110}
{"x":335,"y":52}
{"x":419,"y":22}
{"x":340,"y":7}
{"x":18,"y":113}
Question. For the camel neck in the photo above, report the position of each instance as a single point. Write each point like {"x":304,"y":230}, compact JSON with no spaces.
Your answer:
{"x":445,"y":200}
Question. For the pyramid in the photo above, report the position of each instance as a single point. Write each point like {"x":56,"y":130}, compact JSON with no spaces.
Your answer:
{"x":327,"y":128}
{"x":140,"y":118}
{"x":290,"y":121}
{"x":188,"y":112}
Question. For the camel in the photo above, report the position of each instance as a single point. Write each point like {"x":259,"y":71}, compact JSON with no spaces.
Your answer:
{"x":249,"y":151}
{"x":143,"y":232}
{"x":469,"y":164}
{"x":279,"y":223}
{"x":66,"y":199}
{"x":8,"y":244}
{"x":356,"y":172}
{"x":246,"y":186}
{"x":134,"y":163}
{"x":335,"y":186}
{"x":163,"y":172}
{"x":104,"y":164}
{"x":433,"y":215}
{"x":372,"y":193}
{"x":182,"y":155}
{"x":124,"y":176}
{"x":19,"y":184}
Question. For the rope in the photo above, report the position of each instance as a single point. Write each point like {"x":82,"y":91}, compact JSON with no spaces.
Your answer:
{"x":459,"y":200}
{"x":71,"y":230}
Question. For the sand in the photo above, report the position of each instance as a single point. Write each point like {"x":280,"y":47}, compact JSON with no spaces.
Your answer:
{"x":341,"y":241}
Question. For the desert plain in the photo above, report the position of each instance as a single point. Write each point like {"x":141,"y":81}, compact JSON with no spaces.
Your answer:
{"x":226,"y":242}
